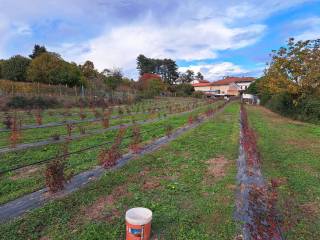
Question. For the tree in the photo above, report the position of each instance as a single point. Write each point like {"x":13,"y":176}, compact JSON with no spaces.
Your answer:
{"x":145,"y":65}
{"x":50,"y":68}
{"x":186,"y":77}
{"x":1,"y":62}
{"x":199,"y":76}
{"x":88,"y":70}
{"x":114,"y":78}
{"x":15,"y":68}
{"x":183,"y":89}
{"x":166,"y":68}
{"x":37,"y":51}
{"x":154,"y":87}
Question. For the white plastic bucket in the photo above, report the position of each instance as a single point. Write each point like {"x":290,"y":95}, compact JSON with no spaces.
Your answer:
{"x":138,"y":223}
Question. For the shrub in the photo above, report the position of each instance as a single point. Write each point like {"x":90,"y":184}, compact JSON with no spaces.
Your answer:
{"x":31,"y":103}
{"x":198,"y":94}
{"x":136,"y":139}
{"x":15,"y":135}
{"x":168,"y":130}
{"x":55,"y":175}
{"x":108,"y":158}
{"x":15,"y":68}
{"x":183,"y":89}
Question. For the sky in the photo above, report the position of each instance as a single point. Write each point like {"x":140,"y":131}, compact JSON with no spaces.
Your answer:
{"x":216,"y":37}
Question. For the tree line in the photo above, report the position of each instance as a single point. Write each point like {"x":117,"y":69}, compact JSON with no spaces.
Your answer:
{"x":167,"y":69}
{"x":291,"y":82}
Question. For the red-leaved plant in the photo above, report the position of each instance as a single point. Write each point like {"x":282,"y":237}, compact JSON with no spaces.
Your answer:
{"x":15,"y":135}
{"x":136,"y":139}
{"x":108,"y":158}
{"x":54,"y":173}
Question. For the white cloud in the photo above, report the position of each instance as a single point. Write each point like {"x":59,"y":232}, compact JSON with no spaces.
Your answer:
{"x":217,"y":70}
{"x":192,"y":40}
{"x":309,"y":28}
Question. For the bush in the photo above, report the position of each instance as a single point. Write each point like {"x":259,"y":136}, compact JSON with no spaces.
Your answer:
{"x":310,"y":108}
{"x":34,"y":102}
{"x":281,"y":103}
{"x":198,"y":94}
{"x":183,"y":89}
{"x":15,"y":68}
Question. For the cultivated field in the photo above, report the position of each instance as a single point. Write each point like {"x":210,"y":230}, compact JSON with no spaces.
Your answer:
{"x":191,"y":184}
{"x":23,"y":164}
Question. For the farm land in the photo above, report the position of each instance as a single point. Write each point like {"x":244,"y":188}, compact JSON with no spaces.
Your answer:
{"x":189,"y":184}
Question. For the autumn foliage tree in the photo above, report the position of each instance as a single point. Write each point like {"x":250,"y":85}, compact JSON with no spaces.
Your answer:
{"x":291,"y":83}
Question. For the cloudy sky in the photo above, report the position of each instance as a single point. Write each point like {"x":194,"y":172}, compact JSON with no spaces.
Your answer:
{"x":216,"y":37}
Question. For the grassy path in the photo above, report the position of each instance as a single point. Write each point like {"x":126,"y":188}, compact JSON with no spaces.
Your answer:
{"x":290,"y":152}
{"x":189,"y":185}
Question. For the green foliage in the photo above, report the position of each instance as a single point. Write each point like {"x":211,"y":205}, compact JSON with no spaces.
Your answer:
{"x":50,"y":68}
{"x":114,"y":80}
{"x":199,"y":76}
{"x":166,"y":68}
{"x":32,"y":103}
{"x":1,"y":63}
{"x":15,"y":68}
{"x":37,"y":51}
{"x":183,"y":89}
{"x":154,"y":87}
{"x":253,"y":88}
{"x":198,"y":94}
{"x":291,"y":84}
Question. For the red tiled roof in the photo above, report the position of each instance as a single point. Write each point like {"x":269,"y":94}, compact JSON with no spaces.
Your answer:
{"x":206,"y":84}
{"x":203,"y":81}
{"x":225,"y":81}
{"x":147,"y":76}
{"x":229,"y":80}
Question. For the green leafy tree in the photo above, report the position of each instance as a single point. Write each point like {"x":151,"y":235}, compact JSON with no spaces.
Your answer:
{"x":37,"y":51}
{"x":186,"y":77}
{"x":166,"y":68}
{"x":154,"y":87}
{"x":199,"y":76}
{"x":15,"y":68}
{"x":50,"y":68}
{"x":114,"y":79}
{"x":1,"y":62}
{"x":183,"y":89}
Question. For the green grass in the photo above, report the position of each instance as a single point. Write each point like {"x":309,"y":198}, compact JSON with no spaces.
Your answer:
{"x":290,"y":150}
{"x":187,"y":202}
{"x":13,"y":187}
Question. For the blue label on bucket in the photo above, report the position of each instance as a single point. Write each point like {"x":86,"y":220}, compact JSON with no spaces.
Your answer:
{"x":135,"y":231}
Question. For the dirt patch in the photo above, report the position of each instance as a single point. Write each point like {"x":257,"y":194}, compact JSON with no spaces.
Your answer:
{"x":151,"y":183}
{"x":217,"y":167}
{"x":25,"y":172}
{"x":103,"y":209}
{"x":311,"y":209}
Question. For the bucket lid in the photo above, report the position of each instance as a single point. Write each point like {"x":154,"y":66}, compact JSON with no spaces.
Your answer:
{"x":138,"y":216}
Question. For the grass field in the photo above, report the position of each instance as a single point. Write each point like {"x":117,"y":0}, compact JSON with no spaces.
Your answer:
{"x":189,"y":185}
{"x":290,"y":151}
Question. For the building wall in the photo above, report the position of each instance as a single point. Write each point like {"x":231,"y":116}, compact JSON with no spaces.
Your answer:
{"x":202,"y":89}
{"x":244,"y":85}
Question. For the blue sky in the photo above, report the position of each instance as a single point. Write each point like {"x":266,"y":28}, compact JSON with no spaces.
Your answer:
{"x":218,"y":38}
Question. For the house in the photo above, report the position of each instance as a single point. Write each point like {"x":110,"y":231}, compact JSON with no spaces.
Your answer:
{"x":229,"y":86}
{"x":199,"y":81}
